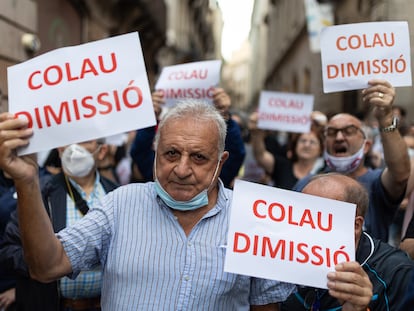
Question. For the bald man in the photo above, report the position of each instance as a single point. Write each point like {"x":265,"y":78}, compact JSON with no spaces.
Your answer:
{"x":380,"y":276}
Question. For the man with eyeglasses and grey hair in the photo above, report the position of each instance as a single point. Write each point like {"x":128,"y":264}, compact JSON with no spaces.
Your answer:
{"x":346,"y":146}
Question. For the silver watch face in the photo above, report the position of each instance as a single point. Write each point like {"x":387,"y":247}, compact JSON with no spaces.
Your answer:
{"x":392,"y":127}
{"x":395,"y":121}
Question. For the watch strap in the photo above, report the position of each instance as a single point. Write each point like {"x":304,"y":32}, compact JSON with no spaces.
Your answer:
{"x":390,"y":128}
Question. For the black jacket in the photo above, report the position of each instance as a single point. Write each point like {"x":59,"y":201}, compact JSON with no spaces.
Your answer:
{"x":388,"y":268}
{"x":30,"y":294}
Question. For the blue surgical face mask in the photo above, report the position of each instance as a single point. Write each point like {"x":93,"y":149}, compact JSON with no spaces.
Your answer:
{"x":196,"y":202}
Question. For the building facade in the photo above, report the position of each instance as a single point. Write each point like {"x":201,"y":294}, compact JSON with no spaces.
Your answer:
{"x":171,"y":31}
{"x":290,"y":64}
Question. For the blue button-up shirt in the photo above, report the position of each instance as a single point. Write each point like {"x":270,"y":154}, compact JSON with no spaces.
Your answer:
{"x":149,"y":262}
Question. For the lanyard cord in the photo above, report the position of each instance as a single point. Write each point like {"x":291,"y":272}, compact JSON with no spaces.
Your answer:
{"x":80,"y":203}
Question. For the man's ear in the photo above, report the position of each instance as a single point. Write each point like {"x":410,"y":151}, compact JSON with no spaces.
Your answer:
{"x":368,"y":145}
{"x":103,"y":151}
{"x":224,"y":157}
{"x":359,"y":222}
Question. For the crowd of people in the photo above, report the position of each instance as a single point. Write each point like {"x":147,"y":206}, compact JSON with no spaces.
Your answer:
{"x":143,"y":225}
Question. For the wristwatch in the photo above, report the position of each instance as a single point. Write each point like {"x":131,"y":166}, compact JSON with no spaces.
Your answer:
{"x":392,"y":127}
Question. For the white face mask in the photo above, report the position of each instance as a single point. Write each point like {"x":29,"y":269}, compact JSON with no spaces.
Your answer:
{"x":345,"y":164}
{"x":77,"y":161}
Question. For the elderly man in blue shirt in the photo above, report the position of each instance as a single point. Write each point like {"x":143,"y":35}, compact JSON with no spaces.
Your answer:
{"x":160,"y":243}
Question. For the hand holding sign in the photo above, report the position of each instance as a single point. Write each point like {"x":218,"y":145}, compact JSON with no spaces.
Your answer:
{"x":14,"y":133}
{"x":222,"y":102}
{"x":82,"y":92}
{"x":353,"y":54}
{"x":288,"y":112}
{"x":351,"y":285}
{"x":348,"y":281}
{"x":287,"y":236}
{"x":380,"y":94}
{"x":158,"y":103}
{"x":191,"y":80}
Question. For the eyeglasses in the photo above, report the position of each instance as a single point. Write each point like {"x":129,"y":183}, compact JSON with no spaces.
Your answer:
{"x":346,"y":131}
{"x":308,"y":141}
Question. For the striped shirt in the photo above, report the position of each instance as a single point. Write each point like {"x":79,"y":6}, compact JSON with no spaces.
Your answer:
{"x":88,"y":283}
{"x":149,"y":262}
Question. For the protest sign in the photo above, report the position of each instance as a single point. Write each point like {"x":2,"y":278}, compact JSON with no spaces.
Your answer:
{"x":286,"y":235}
{"x":352,"y":54}
{"x":83,"y":92}
{"x":191,"y":80}
{"x":288,"y":112}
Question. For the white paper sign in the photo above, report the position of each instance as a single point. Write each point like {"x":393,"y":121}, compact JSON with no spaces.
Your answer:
{"x":288,"y":236}
{"x":83,"y":92}
{"x":288,"y":112}
{"x":192,"y":80}
{"x":352,"y":54}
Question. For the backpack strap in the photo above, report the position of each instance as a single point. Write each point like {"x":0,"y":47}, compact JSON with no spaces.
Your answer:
{"x":80,"y":203}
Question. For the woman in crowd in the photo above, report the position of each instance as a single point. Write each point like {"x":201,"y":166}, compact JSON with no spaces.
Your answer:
{"x":303,"y":157}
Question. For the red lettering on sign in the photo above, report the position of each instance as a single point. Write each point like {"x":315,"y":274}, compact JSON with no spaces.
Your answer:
{"x":56,"y":74}
{"x":367,"y":67}
{"x":356,"y":41}
{"x":279,"y":213}
{"x":287,"y":104}
{"x":85,"y":108}
{"x":179,"y":93}
{"x":280,"y":249}
{"x":195,"y":74}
